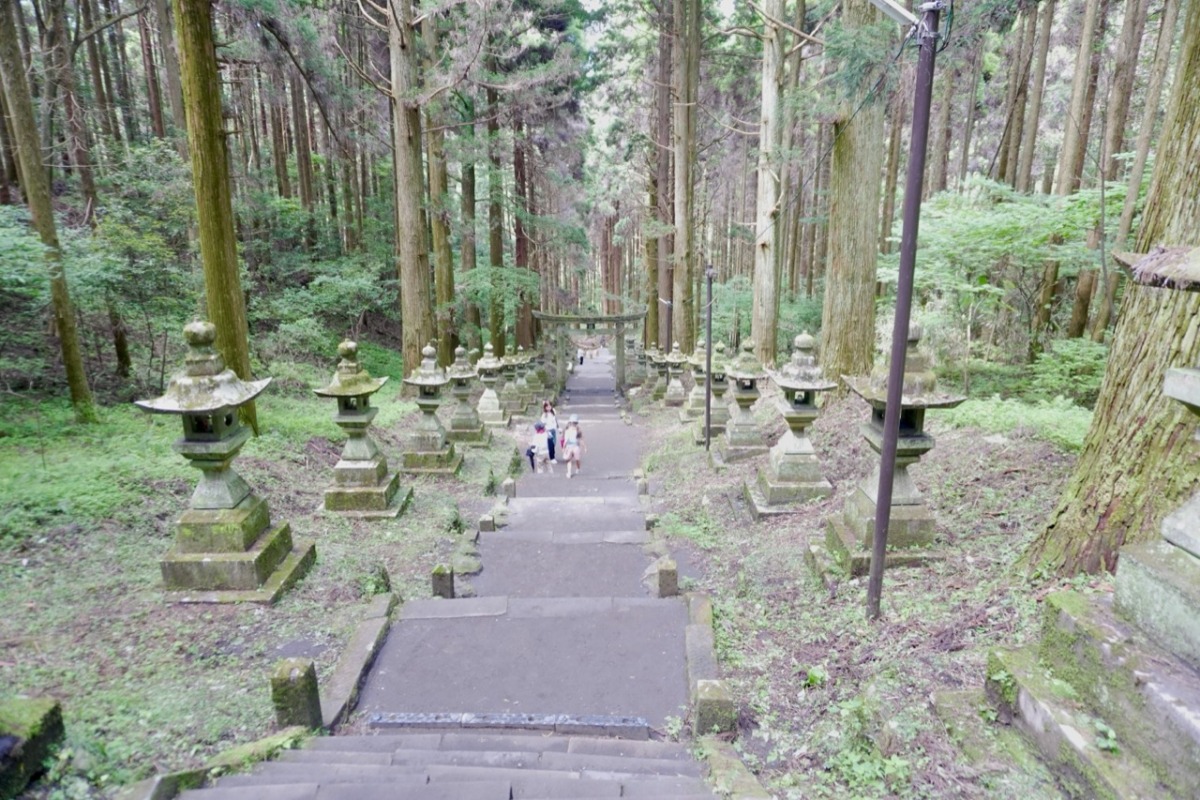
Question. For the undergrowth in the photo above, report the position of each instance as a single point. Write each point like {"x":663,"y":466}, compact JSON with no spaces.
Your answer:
{"x":1058,"y":421}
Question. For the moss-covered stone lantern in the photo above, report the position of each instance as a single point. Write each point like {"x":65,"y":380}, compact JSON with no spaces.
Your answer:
{"x":650,"y":383}
{"x":1157,"y":580}
{"x":362,"y":485}
{"x":465,"y":425}
{"x":743,"y":438}
{"x":488,"y":368}
{"x":719,"y":405}
{"x":432,"y":452}
{"x":675,"y":395}
{"x":658,"y":362}
{"x":226,"y":548}
{"x":911,"y":522}
{"x":535,"y":379}
{"x":694,"y":407}
{"x":635,"y":374}
{"x":794,"y":472}
{"x":524,"y":363}
{"x":510,"y":394}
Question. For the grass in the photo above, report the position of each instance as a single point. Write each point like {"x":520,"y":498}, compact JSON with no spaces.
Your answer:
{"x":146,"y":685}
{"x":1058,"y":421}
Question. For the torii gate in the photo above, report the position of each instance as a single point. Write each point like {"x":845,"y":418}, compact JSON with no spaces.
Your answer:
{"x":578,"y":325}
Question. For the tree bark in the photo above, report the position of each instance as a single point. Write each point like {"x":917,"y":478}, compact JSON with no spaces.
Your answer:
{"x":524,"y":321}
{"x":467,"y":236}
{"x":36,"y":184}
{"x":764,"y":321}
{"x":93,"y":56}
{"x":1073,"y":152}
{"x":495,"y":222}
{"x":210,"y":179}
{"x":1139,"y":461}
{"x":1019,"y":100}
{"x":969,"y":126}
{"x":687,"y":78}
{"x":848,"y":314}
{"x":439,"y":214}
{"x":665,"y":213}
{"x":939,"y":163}
{"x":123,"y":98}
{"x":1038,"y":79}
{"x":170,"y":65}
{"x":60,"y":52}
{"x":153,"y":91}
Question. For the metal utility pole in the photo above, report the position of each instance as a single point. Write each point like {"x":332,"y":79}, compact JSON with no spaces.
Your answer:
{"x":709,"y":274}
{"x":927,"y":40}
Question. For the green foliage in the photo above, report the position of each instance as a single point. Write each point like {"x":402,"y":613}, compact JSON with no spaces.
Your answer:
{"x":1072,"y":368}
{"x":858,"y":764}
{"x":1106,"y":737}
{"x":1058,"y":421}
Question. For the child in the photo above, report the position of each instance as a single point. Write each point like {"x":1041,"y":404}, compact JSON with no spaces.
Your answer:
{"x":572,"y":444}
{"x":541,"y":448}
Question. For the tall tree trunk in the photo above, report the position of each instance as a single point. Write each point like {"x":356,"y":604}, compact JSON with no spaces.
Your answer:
{"x":8,"y":157}
{"x":891,"y":171}
{"x":93,"y":55}
{"x":201,"y":83}
{"x":1012,"y":93}
{"x":415,"y":307}
{"x":964,"y":161}
{"x":153,"y":92}
{"x":124,"y":98}
{"x":36,"y":185}
{"x":687,"y":64}
{"x":439,"y":214}
{"x":524,"y":321}
{"x":170,"y":65}
{"x":1074,"y":148}
{"x":1028,"y":37}
{"x":302,"y":140}
{"x":279,"y":150}
{"x":467,"y":237}
{"x":939,"y":162}
{"x":60,"y":52}
{"x":663,"y":172}
{"x":1138,"y":459}
{"x":495,"y":222}
{"x":1038,"y":79}
{"x":764,"y":321}
{"x":848,"y":330}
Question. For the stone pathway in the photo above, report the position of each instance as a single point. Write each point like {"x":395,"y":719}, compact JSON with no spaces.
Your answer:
{"x":548,"y":683}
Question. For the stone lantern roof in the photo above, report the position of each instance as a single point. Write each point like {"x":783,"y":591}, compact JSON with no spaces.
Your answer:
{"x":802,"y":373}
{"x":920,"y":384}
{"x":746,"y":367}
{"x":461,"y":369}
{"x":1169,"y":267}
{"x":205,"y":385}
{"x":429,"y":374}
{"x":489,"y":362}
{"x":350,"y":379}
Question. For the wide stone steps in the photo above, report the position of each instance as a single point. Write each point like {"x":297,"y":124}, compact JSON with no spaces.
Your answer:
{"x":469,"y":766}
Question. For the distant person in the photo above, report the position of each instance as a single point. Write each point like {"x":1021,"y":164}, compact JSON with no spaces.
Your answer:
{"x":540,"y":448}
{"x":579,"y":353}
{"x":572,"y":445}
{"x":550,"y":420}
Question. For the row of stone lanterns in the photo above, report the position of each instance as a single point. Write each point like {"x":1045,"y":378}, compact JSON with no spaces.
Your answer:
{"x":226,"y":548}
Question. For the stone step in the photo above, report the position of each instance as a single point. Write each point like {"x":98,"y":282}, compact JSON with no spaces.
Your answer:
{"x":1148,"y":695}
{"x":535,"y":656}
{"x":590,"y":511}
{"x":540,"y":569}
{"x":560,"y":761}
{"x":527,"y":783}
{"x":1049,"y":712}
{"x":274,"y":773}
{"x":507,"y":534}
{"x":1158,"y":588}
{"x":472,"y":790}
{"x":513,"y":741}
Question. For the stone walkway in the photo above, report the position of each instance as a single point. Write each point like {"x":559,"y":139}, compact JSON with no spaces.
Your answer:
{"x":506,"y":694}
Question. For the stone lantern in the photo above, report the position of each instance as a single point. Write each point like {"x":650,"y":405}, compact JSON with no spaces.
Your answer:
{"x":226,"y":548}
{"x":743,"y":439}
{"x":694,"y":407}
{"x":794,"y":473}
{"x":1156,"y":581}
{"x":362,"y":486}
{"x":510,"y":394}
{"x":635,"y":375}
{"x":911,"y":523}
{"x":719,"y":406}
{"x":488,"y":368}
{"x":432,"y":453}
{"x":658,"y":362}
{"x":524,"y":389}
{"x":675,"y":395}
{"x":465,"y":426}
{"x":535,"y":379}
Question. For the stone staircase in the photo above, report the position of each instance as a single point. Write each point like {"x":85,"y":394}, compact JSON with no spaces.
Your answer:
{"x":468,"y":766}
{"x":548,"y":682}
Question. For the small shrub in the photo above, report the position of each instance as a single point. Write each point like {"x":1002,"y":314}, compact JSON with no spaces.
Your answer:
{"x":1058,"y":421}
{"x":1070,"y":368}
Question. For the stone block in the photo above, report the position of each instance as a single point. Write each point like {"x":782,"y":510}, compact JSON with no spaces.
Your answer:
{"x":651,"y":521}
{"x":443,"y":582}
{"x":668,"y":578}
{"x":367,"y":472}
{"x":374,"y":497}
{"x":1158,"y":589}
{"x":713,"y":709}
{"x":224,"y":530}
{"x":853,"y":558}
{"x":700,"y":609}
{"x":508,"y":488}
{"x":294,"y":693}
{"x":29,"y":729}
{"x":487,"y":523}
{"x":219,"y":571}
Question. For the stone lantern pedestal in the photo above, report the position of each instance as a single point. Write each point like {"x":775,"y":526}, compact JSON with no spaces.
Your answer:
{"x":794,"y":475}
{"x":693,"y":407}
{"x":362,"y":485}
{"x":719,"y":405}
{"x":743,"y":438}
{"x":524,"y":388}
{"x":911,"y":522}
{"x":1158,"y":583}
{"x":536,"y":382}
{"x":510,"y":395}
{"x":432,"y":453}
{"x":491,"y":411}
{"x":226,"y":548}
{"x":635,"y":374}
{"x":465,"y":426}
{"x":675,"y":394}
{"x":658,"y":363}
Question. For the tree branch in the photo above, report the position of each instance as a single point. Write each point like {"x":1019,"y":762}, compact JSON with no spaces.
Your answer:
{"x":270,"y":25}
{"x":785,"y":25}
{"x":386,"y":90}
{"x":80,"y":38}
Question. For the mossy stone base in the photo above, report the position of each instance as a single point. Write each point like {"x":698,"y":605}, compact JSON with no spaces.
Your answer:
{"x":1149,"y":696}
{"x":36,"y":724}
{"x":675,"y":395}
{"x":224,"y":530}
{"x":765,"y":498}
{"x":247,"y":569}
{"x":439,"y":462}
{"x":853,"y":556}
{"x":479,"y":436}
{"x":294,"y":566}
{"x":713,"y":709}
{"x":380,"y":500}
{"x":909,"y":526}
{"x":1158,"y":589}
{"x":294,"y":693}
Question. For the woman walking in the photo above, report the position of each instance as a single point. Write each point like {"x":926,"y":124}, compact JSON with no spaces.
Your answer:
{"x":572,"y":444}
{"x":550,"y":420}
